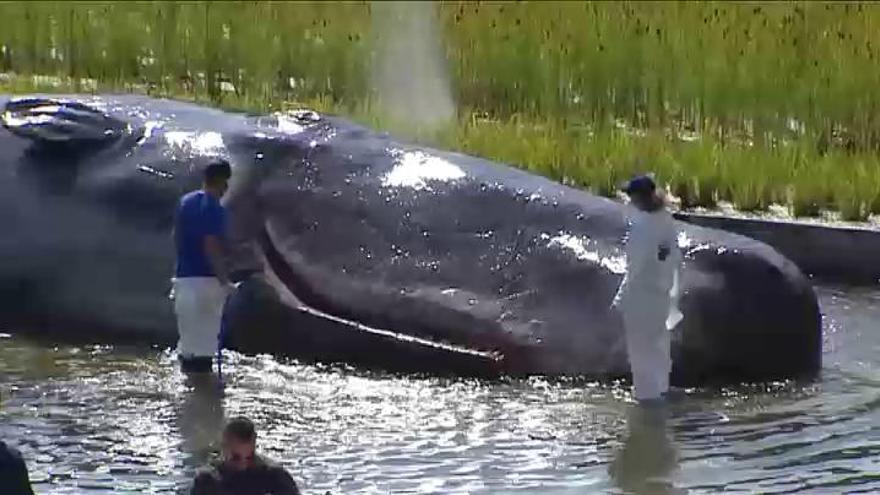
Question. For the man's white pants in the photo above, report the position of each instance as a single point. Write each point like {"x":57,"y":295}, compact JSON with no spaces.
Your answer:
{"x":647,"y":343}
{"x":198,"y":304}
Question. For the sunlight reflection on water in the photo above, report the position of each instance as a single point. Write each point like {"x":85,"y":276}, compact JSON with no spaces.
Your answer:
{"x":93,"y":418}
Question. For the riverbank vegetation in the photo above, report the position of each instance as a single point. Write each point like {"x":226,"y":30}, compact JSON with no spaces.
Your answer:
{"x":754,"y":104}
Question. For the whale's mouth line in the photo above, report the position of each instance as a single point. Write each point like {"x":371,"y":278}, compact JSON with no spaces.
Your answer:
{"x":313,"y":303}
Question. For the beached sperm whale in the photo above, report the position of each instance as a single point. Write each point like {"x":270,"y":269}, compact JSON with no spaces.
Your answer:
{"x":357,"y":248}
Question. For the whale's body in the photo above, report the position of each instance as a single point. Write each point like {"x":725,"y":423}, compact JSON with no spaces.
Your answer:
{"x":356,"y":247}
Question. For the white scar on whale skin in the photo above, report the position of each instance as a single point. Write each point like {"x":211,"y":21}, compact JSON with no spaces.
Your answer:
{"x":579,"y":246}
{"x":200,"y":143}
{"x":150,"y":128}
{"x":614,"y":264}
{"x":415,"y":168}
{"x":34,"y":118}
{"x":288,"y":126}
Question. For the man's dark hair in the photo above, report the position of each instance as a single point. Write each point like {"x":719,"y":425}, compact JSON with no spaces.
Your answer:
{"x":217,"y":169}
{"x":241,"y":429}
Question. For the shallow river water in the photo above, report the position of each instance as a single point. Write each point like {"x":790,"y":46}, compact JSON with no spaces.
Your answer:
{"x":124,"y":420}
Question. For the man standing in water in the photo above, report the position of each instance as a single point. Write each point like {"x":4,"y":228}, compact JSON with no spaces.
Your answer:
{"x":201,"y":283}
{"x":647,"y":294}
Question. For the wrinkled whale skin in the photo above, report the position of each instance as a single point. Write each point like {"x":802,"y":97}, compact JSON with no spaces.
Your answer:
{"x":354,"y":247}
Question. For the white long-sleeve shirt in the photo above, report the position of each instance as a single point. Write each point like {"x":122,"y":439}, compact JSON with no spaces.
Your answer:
{"x":653,"y":258}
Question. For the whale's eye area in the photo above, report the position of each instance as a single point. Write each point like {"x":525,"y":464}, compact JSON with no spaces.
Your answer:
{"x":60,"y":121}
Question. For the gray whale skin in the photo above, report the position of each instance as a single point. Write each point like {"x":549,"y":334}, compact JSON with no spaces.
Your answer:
{"x":355,"y":248}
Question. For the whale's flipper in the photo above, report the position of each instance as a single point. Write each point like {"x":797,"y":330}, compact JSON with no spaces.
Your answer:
{"x":60,"y":121}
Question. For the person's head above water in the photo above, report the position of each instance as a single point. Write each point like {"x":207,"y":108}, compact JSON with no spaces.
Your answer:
{"x":241,"y":467}
{"x":215,"y":178}
{"x":239,"y":443}
{"x":642,"y":191}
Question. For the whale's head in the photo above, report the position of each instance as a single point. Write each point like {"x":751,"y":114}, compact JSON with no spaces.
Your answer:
{"x":88,"y":193}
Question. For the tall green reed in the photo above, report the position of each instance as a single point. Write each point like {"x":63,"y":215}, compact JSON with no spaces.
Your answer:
{"x":780,"y":98}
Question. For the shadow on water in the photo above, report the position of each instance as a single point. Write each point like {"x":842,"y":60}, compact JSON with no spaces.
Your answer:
{"x":200,"y":418}
{"x":648,"y":459}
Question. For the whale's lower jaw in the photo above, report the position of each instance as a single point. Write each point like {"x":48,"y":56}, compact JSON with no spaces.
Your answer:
{"x":272,"y":315}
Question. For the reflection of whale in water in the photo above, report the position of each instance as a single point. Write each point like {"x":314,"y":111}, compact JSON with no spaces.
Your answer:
{"x":360,"y":249}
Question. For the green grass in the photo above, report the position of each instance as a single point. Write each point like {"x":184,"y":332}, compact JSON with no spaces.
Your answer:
{"x":742,"y":102}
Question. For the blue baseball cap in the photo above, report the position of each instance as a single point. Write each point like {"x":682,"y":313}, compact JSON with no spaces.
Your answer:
{"x":640,"y":184}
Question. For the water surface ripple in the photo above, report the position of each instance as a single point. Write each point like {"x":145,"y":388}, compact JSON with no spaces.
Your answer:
{"x":93,"y":419}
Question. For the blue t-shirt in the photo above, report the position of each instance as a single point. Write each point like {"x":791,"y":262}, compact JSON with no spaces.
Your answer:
{"x":198,"y":215}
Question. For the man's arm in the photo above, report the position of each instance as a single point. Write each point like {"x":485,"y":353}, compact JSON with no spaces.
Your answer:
{"x":215,"y":252}
{"x":636,"y":256}
{"x":214,"y":243}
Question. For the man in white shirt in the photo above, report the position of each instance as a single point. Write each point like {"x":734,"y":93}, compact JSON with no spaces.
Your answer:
{"x":646,"y":297}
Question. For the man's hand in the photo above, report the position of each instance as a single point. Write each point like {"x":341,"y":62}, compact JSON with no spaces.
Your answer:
{"x":228,"y":287}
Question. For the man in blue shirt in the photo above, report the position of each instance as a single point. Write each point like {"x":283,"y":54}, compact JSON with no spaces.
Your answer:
{"x":201,"y":282}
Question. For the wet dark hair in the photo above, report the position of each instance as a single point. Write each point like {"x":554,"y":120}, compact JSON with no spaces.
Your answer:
{"x":241,"y":429}
{"x":217,"y":169}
